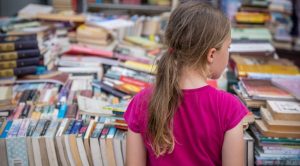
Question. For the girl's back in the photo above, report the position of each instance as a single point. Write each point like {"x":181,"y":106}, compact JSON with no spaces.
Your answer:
{"x":199,"y":125}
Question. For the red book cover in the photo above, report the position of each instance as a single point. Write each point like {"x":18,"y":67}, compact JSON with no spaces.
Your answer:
{"x":81,"y":50}
{"x":264,"y":89}
{"x":133,"y":81}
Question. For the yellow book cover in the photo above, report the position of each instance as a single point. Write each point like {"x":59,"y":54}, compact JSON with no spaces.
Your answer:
{"x":140,"y":66}
{"x":142,"y":42}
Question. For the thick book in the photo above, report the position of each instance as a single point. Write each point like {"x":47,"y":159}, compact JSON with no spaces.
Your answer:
{"x":249,"y":149}
{"x":284,"y":110}
{"x":3,"y":153}
{"x":95,"y":146}
{"x":17,"y":151}
{"x":20,"y":63}
{"x":278,"y":125}
{"x":19,"y":71}
{"x":20,"y":54}
{"x":271,"y":133}
{"x":21,"y":45}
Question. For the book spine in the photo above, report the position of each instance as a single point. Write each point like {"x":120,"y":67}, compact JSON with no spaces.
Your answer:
{"x":39,"y":128}
{"x":47,"y":123}
{"x":18,"y":71}
{"x":76,"y":127}
{"x":19,"y":63}
{"x":69,"y":129}
{"x":24,"y":127}
{"x":13,"y":46}
{"x":130,"y":80}
{"x":14,"y":128}
{"x":31,"y":128}
{"x":19,"y":54}
{"x":97,"y":131}
{"x":72,"y":111}
{"x":112,"y":91}
{"x":6,"y":129}
{"x":13,"y":38}
{"x":62,"y":111}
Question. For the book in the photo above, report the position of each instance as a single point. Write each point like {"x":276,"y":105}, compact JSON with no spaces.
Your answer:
{"x":21,"y":71}
{"x":84,"y":50}
{"x":117,"y":144}
{"x":109,"y":146}
{"x":292,"y":85}
{"x":17,"y":151}
{"x":278,"y":125}
{"x":50,"y":142}
{"x":264,"y":90}
{"x":5,"y":95}
{"x":95,"y":146}
{"x":86,"y":141}
{"x":3,"y":152}
{"x":148,"y":68}
{"x":48,"y":77}
{"x":20,"y":63}
{"x":13,"y":46}
{"x":278,"y":134}
{"x":249,"y":147}
{"x":20,"y":54}
{"x":249,"y":65}
{"x":80,"y":144}
{"x":283,"y":110}
{"x":59,"y":139}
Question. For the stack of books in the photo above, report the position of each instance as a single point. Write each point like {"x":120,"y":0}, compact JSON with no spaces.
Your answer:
{"x":281,"y":23}
{"x":253,"y":12}
{"x":27,"y":50}
{"x":280,"y":119}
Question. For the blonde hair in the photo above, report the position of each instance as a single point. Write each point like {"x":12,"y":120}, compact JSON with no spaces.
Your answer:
{"x":193,"y":29}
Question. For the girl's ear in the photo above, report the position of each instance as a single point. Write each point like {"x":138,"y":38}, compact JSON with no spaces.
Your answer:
{"x":210,"y":55}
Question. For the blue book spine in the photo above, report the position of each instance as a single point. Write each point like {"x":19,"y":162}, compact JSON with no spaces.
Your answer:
{"x":6,"y":129}
{"x":62,"y":111}
{"x":69,"y":129}
{"x":76,"y":127}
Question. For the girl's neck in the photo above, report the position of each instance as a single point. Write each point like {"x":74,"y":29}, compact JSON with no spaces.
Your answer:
{"x":191,"y":79}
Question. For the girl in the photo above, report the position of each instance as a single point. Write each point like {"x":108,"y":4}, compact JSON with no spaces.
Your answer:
{"x":181,"y":120}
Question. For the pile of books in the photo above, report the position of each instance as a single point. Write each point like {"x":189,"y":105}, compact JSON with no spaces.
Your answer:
{"x":28,"y":47}
{"x":281,"y":23}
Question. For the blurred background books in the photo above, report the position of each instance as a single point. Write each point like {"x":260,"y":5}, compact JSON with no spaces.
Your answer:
{"x":68,"y":70}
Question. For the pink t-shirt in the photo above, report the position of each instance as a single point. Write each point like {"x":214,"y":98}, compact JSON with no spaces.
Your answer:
{"x":200,"y":123}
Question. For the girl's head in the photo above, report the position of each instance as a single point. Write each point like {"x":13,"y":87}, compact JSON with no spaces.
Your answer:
{"x":198,"y":37}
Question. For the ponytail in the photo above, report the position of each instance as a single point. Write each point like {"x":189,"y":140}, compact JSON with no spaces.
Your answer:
{"x":163,"y":103}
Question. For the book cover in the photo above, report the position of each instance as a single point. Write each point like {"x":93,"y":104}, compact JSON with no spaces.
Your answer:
{"x":264,"y":89}
{"x":292,"y":85}
{"x":81,"y":50}
{"x":284,"y":110}
{"x":17,"y":151}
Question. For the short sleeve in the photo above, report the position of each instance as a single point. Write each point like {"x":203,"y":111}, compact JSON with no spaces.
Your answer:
{"x":136,"y":112}
{"x":233,"y":111}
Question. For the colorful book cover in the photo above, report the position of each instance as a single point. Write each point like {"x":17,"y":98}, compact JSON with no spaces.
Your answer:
{"x":17,"y":151}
